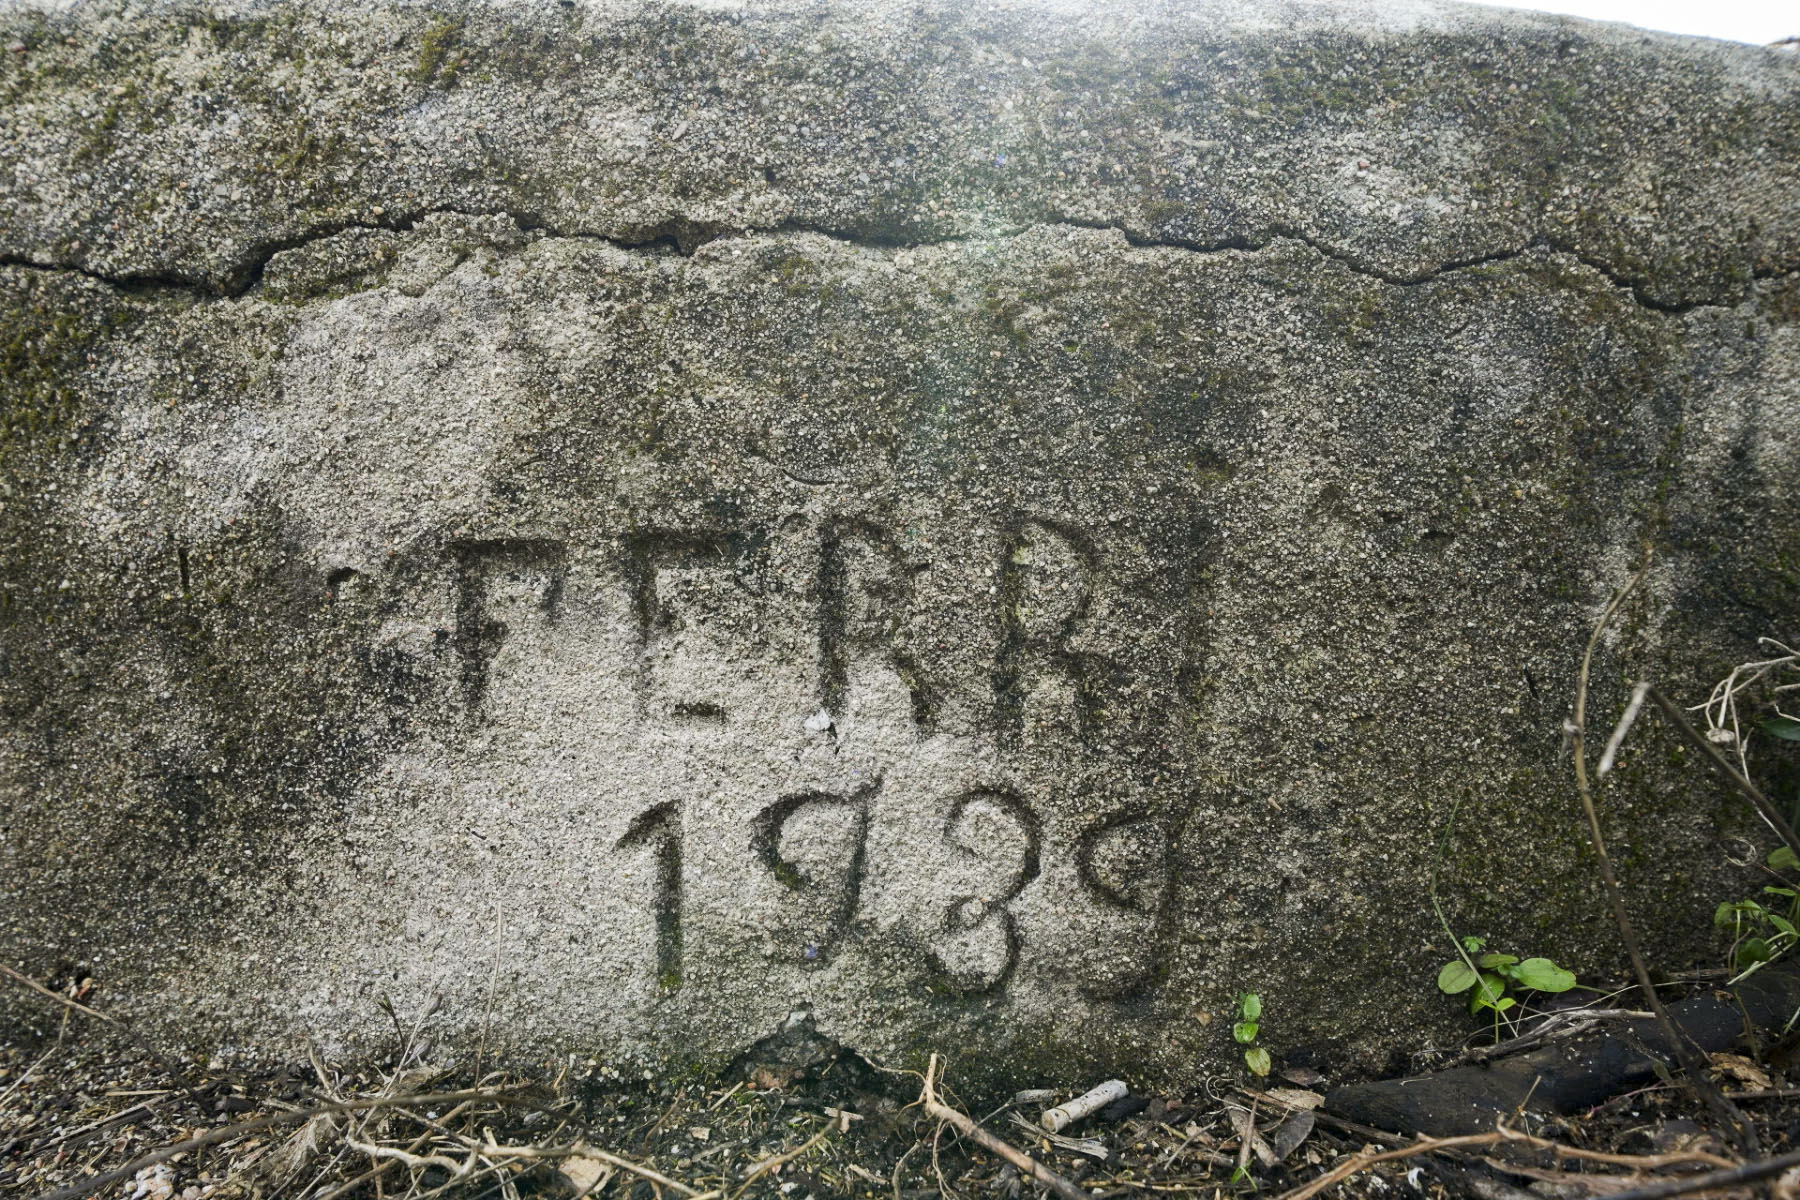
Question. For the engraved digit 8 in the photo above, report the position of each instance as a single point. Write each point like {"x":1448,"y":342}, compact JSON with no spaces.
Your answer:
{"x":967,"y":912}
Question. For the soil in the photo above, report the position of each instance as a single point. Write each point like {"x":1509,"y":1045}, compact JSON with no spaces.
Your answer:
{"x":797,"y":1117}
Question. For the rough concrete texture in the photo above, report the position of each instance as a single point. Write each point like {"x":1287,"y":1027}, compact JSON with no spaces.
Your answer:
{"x":998,"y":526}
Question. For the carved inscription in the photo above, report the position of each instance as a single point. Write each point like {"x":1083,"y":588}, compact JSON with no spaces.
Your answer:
{"x":865,"y":589}
{"x":681,"y":584}
{"x":660,"y":830}
{"x":501,"y":584}
{"x":996,"y":841}
{"x":968,"y":907}
{"x":1041,"y":681}
{"x":815,"y":844}
{"x":1126,"y":862}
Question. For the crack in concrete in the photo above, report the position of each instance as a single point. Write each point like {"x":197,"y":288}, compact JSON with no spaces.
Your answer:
{"x":682,"y":237}
{"x":1277,"y":233}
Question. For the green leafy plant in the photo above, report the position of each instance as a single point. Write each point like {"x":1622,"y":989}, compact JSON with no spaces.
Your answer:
{"x":1492,"y":980}
{"x":1783,"y":727}
{"x":1763,"y":931}
{"x":1246,"y":1030}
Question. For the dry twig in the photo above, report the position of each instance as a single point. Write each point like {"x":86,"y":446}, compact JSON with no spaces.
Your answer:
{"x":1747,"y":1173}
{"x":975,"y":1133}
{"x":1692,"y":1064}
{"x":776,"y":1161}
{"x":232,"y":1133}
{"x":1764,"y":806}
{"x":41,"y":990}
{"x":1367,"y":1158}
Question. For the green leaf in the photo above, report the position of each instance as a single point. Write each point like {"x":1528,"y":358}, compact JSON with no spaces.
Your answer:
{"x":1788,"y":892}
{"x":1542,"y":975}
{"x":1496,"y":960}
{"x":1782,"y":859}
{"x":1752,"y":951}
{"x":1785,"y":728}
{"x":1506,"y":1002}
{"x":1735,"y":913}
{"x":1251,"y":1006}
{"x":1455,"y":977}
{"x":1258,"y":1060}
{"x":1786,"y":926}
{"x":1244,"y":1032}
{"x":1488,"y":990}
{"x":1473,"y":945}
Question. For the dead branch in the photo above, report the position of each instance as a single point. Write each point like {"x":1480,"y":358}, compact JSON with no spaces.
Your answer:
{"x":1064,"y":1115}
{"x":418,"y":1162}
{"x":1743,"y":1135}
{"x":72,"y":1005}
{"x":1556,"y":1026}
{"x":1764,"y":806}
{"x":379,"y":1168}
{"x":1787,"y":1093}
{"x":981,"y":1137}
{"x":1747,"y":1173}
{"x":584,"y":1150}
{"x":1367,"y":1158}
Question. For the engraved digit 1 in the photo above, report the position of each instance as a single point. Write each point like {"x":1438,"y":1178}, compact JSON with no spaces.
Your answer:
{"x":661,"y":827}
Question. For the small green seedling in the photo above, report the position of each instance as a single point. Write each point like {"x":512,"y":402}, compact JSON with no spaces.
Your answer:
{"x":1245,"y":1031}
{"x":1762,"y":933}
{"x":1490,"y":978}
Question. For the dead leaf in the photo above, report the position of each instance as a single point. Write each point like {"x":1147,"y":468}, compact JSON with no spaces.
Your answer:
{"x":1297,"y":1098}
{"x":154,"y":1183}
{"x":304,"y":1147}
{"x":1304,"y":1076}
{"x":1742,"y":1070}
{"x":584,"y":1175}
{"x":768,"y":1079}
{"x":1292,"y":1132}
{"x":1245,"y":1126}
{"x":1679,"y":1135}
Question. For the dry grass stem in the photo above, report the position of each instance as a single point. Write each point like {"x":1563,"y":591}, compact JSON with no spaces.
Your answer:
{"x":1026,"y":1164}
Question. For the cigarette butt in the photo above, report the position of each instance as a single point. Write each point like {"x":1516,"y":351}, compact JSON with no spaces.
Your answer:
{"x":1067,"y":1114}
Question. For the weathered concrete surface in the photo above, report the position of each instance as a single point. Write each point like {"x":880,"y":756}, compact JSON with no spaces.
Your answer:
{"x":1173,"y":457}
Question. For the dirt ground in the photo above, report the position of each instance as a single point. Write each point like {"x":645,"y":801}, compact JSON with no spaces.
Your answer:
{"x":797,"y":1117}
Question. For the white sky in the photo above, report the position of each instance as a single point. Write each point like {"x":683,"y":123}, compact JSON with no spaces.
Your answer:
{"x":1761,"y":21}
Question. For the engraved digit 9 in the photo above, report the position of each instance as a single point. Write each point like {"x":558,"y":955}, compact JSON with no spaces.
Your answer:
{"x":1127,"y":863}
{"x":832,"y":902}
